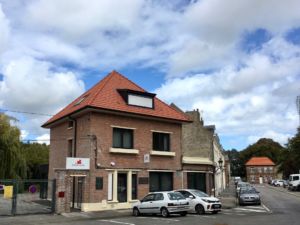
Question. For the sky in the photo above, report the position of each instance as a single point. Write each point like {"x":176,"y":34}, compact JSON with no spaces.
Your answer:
{"x":238,"y":62}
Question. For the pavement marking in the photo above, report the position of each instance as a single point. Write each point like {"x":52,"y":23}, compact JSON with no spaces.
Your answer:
{"x":157,"y":218}
{"x":212,"y":217}
{"x":240,"y":214}
{"x":249,"y":210}
{"x":266,"y":208}
{"x":115,"y":221}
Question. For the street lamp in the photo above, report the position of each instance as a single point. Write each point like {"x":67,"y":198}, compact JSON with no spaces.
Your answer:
{"x":221,"y":169}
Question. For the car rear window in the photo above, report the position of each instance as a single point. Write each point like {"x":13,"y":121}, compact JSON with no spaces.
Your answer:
{"x":175,"y":196}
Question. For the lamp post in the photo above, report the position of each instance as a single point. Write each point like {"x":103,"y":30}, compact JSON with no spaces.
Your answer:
{"x":221,"y":169}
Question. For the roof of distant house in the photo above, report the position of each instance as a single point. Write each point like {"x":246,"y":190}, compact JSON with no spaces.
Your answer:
{"x":108,"y":94}
{"x":260,"y":161}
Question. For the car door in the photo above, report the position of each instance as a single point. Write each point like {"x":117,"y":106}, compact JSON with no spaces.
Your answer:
{"x":158,"y":202}
{"x":192,"y":201}
{"x":146,"y":205}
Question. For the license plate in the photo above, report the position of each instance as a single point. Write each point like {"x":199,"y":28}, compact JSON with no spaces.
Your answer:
{"x":217,"y":206}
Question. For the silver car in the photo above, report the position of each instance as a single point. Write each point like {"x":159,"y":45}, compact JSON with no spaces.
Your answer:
{"x":249,"y":196}
{"x":164,"y":203}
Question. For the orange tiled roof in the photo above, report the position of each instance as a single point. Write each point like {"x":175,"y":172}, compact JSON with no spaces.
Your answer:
{"x":105,"y":95}
{"x":260,"y":161}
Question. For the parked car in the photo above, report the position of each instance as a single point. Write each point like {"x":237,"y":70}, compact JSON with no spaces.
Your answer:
{"x":285,"y":183}
{"x":278,"y":183}
{"x":294,"y":182}
{"x":164,"y":203}
{"x":249,"y":196}
{"x":200,"y":202}
{"x":241,"y":185}
{"x":236,"y":180}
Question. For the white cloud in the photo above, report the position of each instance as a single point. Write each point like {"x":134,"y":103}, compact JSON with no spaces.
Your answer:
{"x":34,"y":86}
{"x":258,"y":98}
{"x":24,"y":134}
{"x":279,"y":137}
{"x":4,"y":31}
{"x":43,"y":139}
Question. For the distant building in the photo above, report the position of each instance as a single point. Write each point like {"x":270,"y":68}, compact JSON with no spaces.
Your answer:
{"x":260,"y":170}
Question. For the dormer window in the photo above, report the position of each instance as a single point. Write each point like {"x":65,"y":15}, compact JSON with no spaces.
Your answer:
{"x":138,"y":98}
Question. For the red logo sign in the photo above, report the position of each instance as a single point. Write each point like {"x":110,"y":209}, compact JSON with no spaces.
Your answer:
{"x":78,"y":162}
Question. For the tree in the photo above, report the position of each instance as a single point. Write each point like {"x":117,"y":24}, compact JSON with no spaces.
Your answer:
{"x":236,"y":164}
{"x":291,"y":160}
{"x":35,"y":155}
{"x":12,"y":162}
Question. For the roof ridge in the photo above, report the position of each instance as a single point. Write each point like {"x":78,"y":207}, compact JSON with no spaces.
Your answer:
{"x":104,"y":82}
{"x":129,"y":80}
{"x":185,"y":116}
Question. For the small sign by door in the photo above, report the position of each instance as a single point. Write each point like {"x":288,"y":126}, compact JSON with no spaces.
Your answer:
{"x":146,"y":158}
{"x":77,"y":163}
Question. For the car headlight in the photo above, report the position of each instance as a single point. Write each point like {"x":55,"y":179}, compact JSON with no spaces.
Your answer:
{"x":205,"y":200}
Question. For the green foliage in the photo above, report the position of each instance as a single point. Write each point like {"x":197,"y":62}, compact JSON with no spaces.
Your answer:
{"x":263,"y":147}
{"x":12,"y":162}
{"x":291,"y":160}
{"x":19,"y":160}
{"x":236,"y":164}
{"x":35,"y":155}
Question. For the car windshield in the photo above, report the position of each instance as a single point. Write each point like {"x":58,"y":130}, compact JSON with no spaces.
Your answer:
{"x":175,"y":196}
{"x":248,"y":191}
{"x":200,"y":193}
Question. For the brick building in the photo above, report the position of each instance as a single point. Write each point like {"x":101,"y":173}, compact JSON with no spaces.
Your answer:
{"x":129,"y":141}
{"x":260,"y":170}
{"x":201,"y":153}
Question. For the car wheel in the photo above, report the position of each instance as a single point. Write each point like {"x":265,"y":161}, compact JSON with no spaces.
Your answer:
{"x":183,"y":213}
{"x":164,"y":212}
{"x":199,"y":209}
{"x":135,"y":212}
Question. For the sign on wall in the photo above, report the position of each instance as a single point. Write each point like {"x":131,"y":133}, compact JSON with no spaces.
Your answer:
{"x":77,"y":163}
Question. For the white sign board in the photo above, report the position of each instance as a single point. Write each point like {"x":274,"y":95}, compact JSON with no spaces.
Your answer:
{"x":77,"y":163}
{"x":146,"y":158}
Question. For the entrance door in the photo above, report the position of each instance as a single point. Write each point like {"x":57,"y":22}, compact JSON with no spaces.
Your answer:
{"x":122,"y":187}
{"x":260,"y":180}
{"x":77,"y":190}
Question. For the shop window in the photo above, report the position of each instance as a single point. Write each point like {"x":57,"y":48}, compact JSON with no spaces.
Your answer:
{"x":197,"y":181}
{"x":161,"y":141}
{"x":122,"y":138}
{"x":161,"y":181}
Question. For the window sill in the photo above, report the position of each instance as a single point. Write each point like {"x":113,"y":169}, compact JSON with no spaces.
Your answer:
{"x":111,"y":202}
{"x":124,"y":151}
{"x":162,"y":153}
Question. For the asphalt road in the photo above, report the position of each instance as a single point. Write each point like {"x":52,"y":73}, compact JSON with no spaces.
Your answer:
{"x":278,"y":208}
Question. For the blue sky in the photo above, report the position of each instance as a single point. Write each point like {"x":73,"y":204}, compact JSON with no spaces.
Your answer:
{"x":236,"y":61}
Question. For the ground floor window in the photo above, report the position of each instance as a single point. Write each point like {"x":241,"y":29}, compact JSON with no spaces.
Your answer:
{"x":197,"y":181}
{"x":161,"y":181}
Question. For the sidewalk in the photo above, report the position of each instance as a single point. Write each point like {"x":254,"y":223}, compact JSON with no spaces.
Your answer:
{"x":228,"y":196}
{"x":64,"y":218}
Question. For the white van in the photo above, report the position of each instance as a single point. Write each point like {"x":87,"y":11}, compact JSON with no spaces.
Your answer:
{"x":294,"y":182}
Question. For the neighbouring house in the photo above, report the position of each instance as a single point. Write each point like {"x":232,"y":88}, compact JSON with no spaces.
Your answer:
{"x":260,"y":170}
{"x":114,"y":144}
{"x":203,"y":157}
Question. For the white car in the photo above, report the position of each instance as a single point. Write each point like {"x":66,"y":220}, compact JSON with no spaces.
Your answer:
{"x":278,"y":183}
{"x":200,"y":202}
{"x":164,"y":203}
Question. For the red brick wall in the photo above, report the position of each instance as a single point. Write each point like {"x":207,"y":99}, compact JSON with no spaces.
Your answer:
{"x":257,"y":174}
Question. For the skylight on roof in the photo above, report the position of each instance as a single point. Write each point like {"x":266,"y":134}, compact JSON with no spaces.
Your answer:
{"x":80,"y":100}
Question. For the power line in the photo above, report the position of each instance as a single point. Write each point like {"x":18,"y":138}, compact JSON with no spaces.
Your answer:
{"x":32,"y":113}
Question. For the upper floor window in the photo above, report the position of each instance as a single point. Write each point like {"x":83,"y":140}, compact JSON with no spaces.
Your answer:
{"x":161,"y":141}
{"x":122,"y":138}
{"x":138,"y":98}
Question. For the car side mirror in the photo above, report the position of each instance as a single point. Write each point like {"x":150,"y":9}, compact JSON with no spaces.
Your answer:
{"x":191,"y":197}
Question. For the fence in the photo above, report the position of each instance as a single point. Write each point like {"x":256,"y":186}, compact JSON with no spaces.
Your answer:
{"x":19,"y":197}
